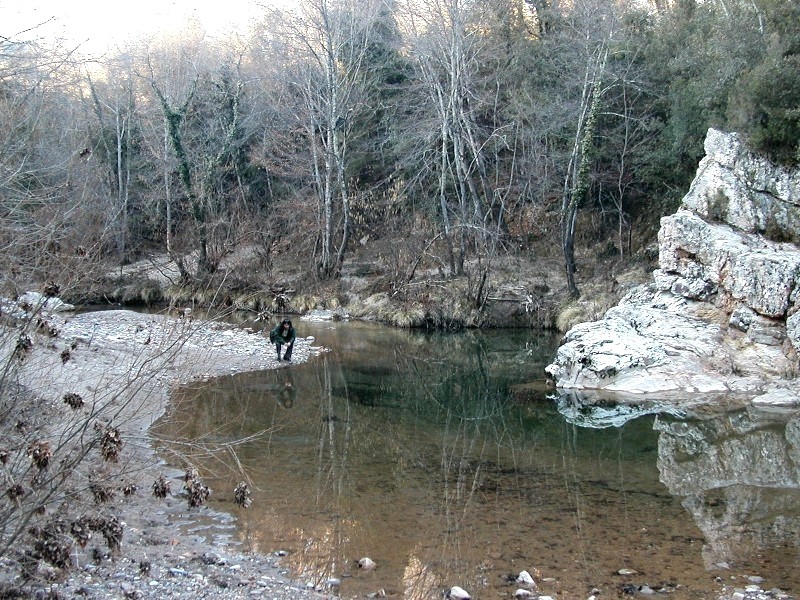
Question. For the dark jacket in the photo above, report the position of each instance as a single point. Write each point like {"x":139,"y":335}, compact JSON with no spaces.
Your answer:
{"x":277,"y":335}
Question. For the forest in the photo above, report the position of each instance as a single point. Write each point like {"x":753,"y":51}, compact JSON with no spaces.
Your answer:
{"x":424,"y":163}
{"x":408,"y":141}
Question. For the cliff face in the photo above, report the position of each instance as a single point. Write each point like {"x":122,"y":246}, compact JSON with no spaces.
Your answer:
{"x":722,"y":313}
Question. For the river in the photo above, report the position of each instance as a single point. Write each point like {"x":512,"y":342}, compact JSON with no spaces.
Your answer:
{"x":445,"y":459}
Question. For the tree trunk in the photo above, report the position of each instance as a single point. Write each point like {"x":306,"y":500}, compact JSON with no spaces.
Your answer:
{"x":173,"y":119}
{"x":576,"y":182}
{"x":167,"y":189}
{"x":443,"y":198}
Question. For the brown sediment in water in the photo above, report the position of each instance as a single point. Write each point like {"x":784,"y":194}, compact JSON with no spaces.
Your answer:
{"x":439,"y":499}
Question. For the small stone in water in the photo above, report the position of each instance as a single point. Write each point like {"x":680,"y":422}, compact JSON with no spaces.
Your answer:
{"x":525,"y":579}
{"x":457,"y":593}
{"x":646,"y":589}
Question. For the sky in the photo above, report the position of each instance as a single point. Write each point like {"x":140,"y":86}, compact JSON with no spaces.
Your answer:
{"x":97,"y":25}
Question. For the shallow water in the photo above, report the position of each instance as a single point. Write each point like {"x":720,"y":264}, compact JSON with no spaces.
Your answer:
{"x":440,"y":457}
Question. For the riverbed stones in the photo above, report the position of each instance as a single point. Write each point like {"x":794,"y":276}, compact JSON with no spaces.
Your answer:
{"x":525,"y":578}
{"x":458,"y":593}
{"x":106,"y":347}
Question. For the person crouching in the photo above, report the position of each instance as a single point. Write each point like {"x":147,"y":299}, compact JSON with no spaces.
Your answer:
{"x":283,"y":334}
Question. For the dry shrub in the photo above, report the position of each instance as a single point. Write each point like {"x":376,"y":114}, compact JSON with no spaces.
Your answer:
{"x":405,"y":315}
{"x":571,"y":315}
{"x":111,"y":529}
{"x":52,"y":544}
{"x":302,"y":303}
{"x":592,"y":305}
{"x":242,"y":495}
{"x":40,"y":454}
{"x":73,"y":400}
{"x":23,"y":347}
{"x":110,"y":444}
{"x":198,"y":492}
{"x":101,"y":493}
{"x":161,"y":487}
{"x":81,"y":530}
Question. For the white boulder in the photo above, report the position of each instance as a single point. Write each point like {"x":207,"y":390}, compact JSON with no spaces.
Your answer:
{"x":458,"y":593}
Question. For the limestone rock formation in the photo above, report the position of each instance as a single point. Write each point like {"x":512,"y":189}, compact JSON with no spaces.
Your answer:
{"x":722,"y":313}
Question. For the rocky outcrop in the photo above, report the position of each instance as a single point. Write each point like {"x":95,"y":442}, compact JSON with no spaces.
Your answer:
{"x":744,"y":190}
{"x":722,"y":313}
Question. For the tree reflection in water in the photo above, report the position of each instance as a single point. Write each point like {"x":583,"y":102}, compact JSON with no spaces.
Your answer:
{"x":439,"y":457}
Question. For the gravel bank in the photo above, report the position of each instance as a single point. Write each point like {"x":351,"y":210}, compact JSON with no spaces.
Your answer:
{"x":124,"y":365}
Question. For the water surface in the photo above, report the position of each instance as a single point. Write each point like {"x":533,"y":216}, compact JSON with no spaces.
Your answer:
{"x":440,"y":457}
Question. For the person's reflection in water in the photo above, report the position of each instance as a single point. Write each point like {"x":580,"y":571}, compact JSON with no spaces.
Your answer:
{"x":287,"y":395}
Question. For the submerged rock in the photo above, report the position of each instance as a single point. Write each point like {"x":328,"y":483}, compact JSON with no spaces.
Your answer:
{"x":595,"y":413}
{"x":526,"y":579}
{"x":458,"y":593}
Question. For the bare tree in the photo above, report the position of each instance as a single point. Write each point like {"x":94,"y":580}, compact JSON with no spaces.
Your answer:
{"x":202,"y":111}
{"x":329,"y":43}
{"x":576,"y":181}
{"x":451,"y":46}
{"x":114,"y":107}
{"x":52,"y":217}
{"x":575,"y":45}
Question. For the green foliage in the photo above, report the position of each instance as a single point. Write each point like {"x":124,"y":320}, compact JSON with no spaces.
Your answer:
{"x":732,"y":67}
{"x":718,"y":206}
{"x":766,"y":108}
